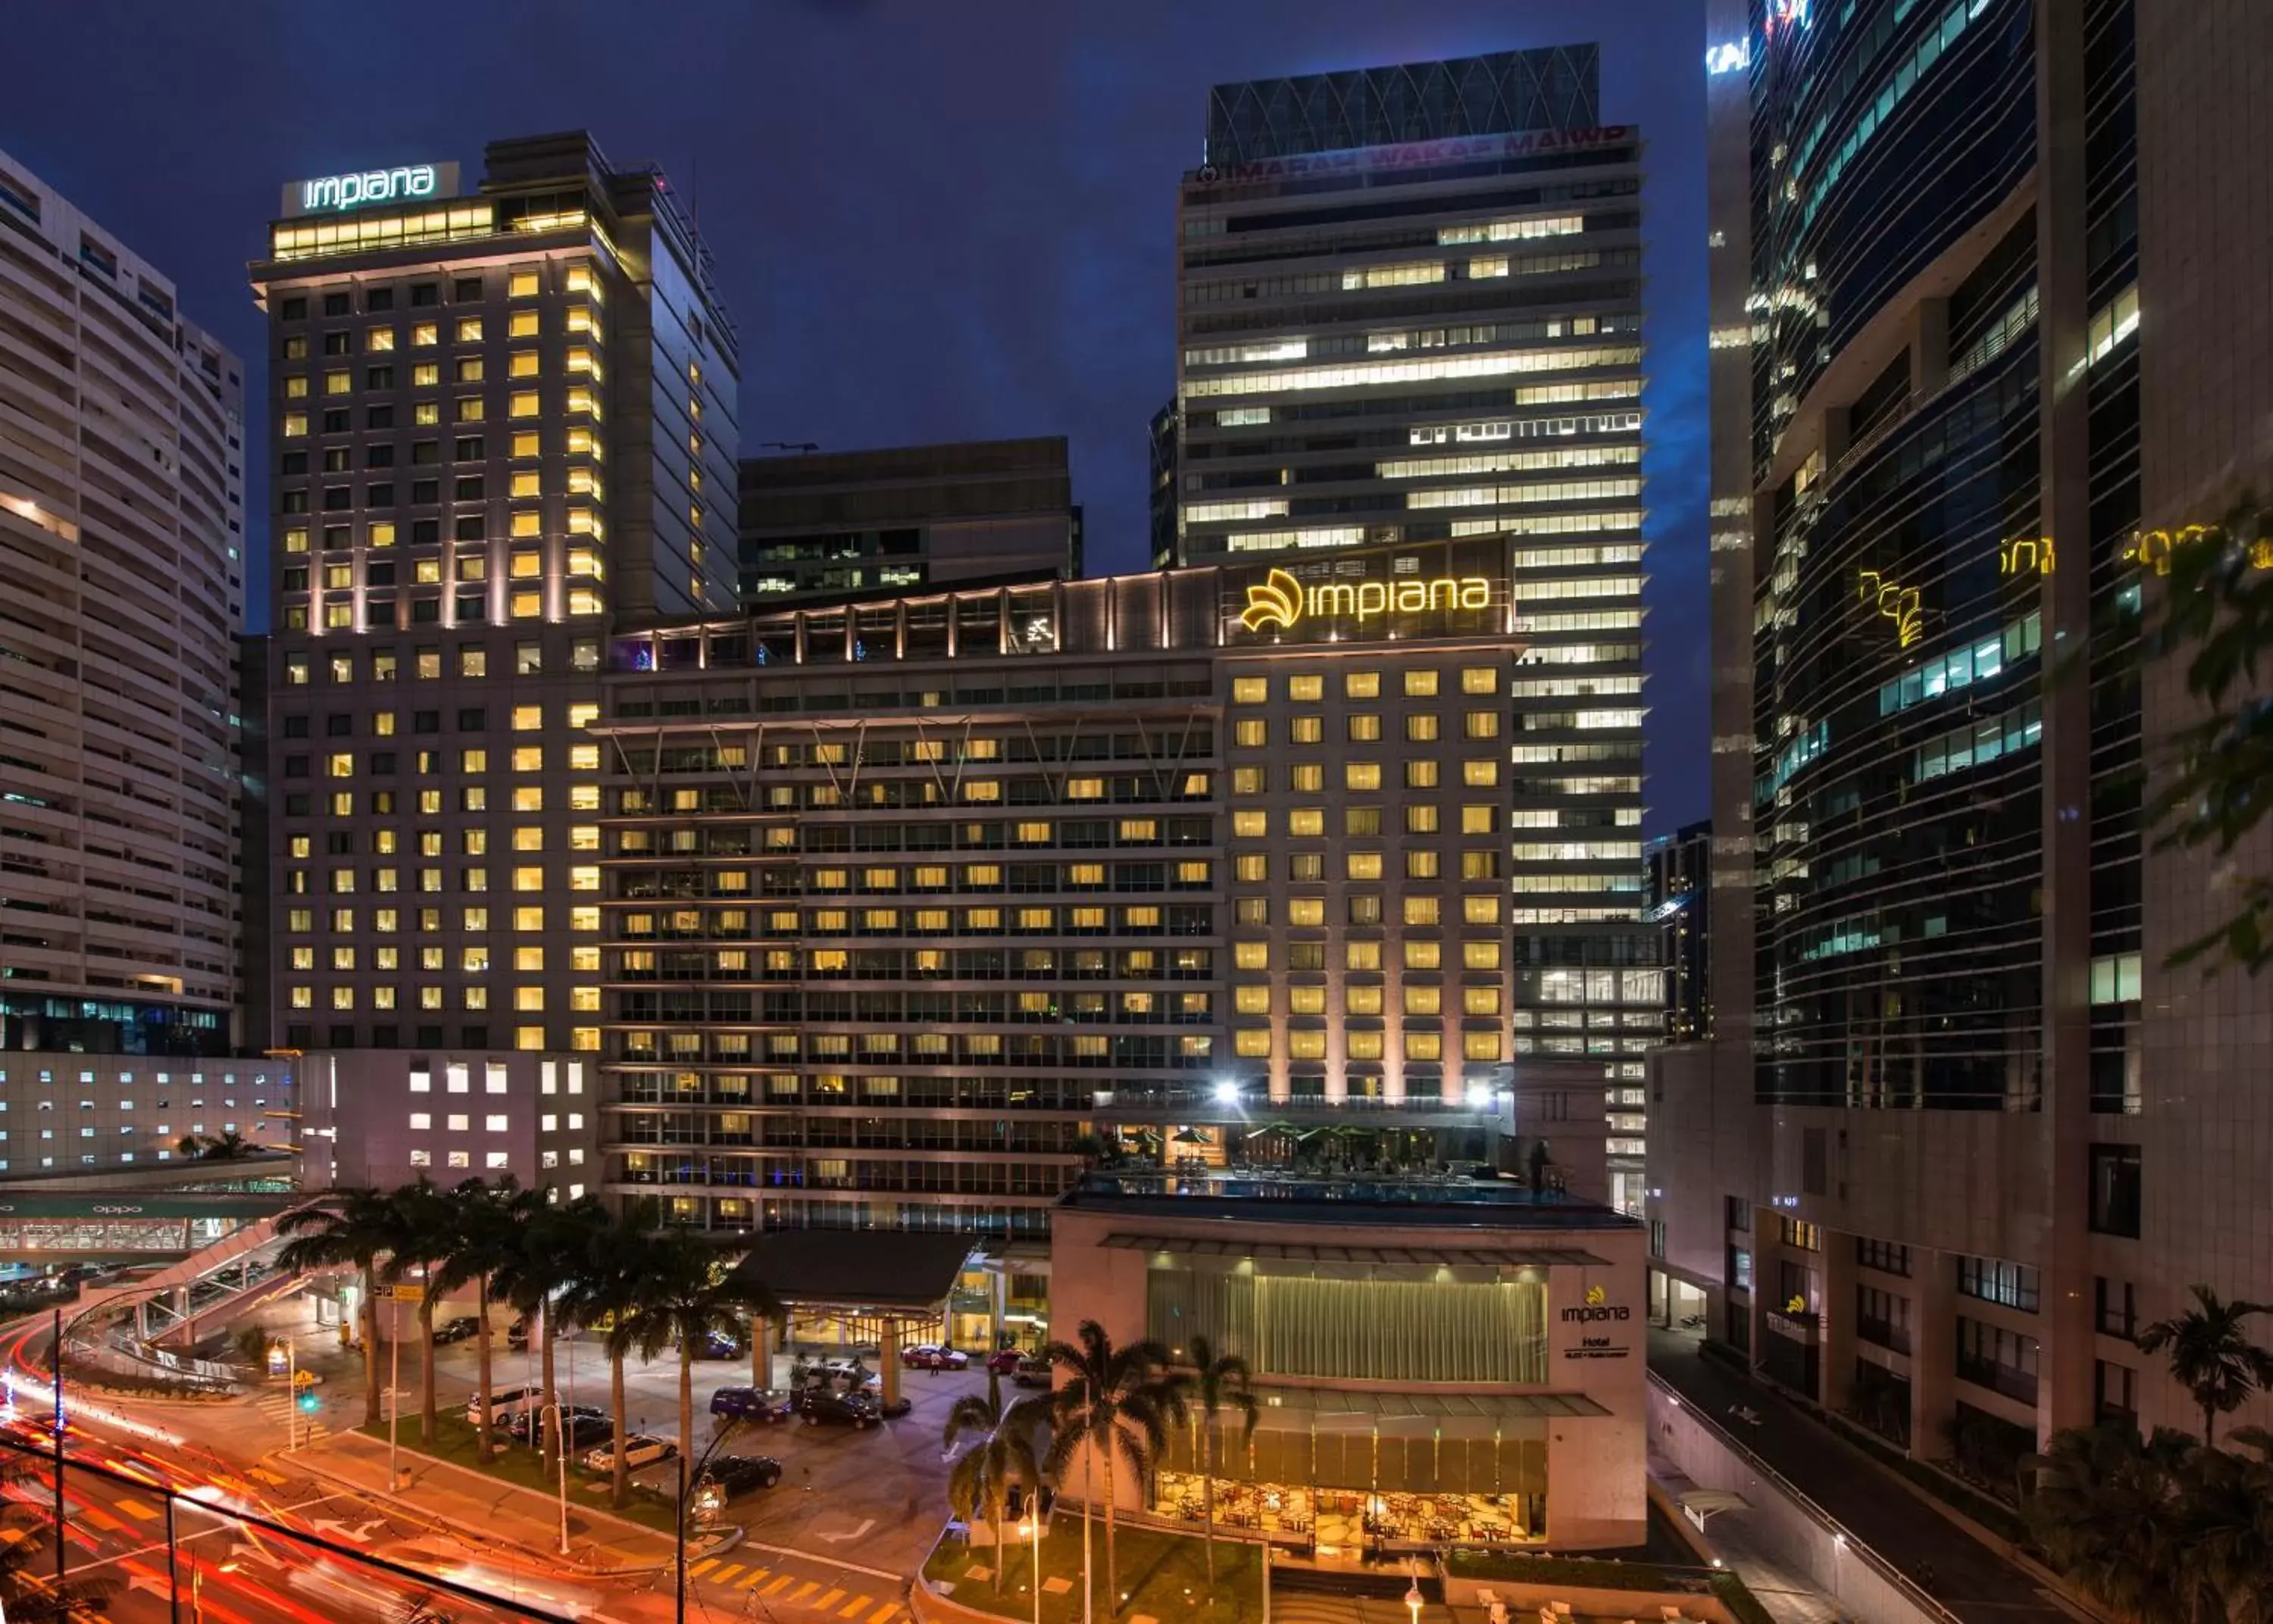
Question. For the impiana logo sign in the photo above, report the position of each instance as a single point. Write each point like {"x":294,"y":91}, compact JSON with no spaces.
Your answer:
{"x":1597,"y":1307}
{"x":1280,"y":601}
{"x":333,"y":194}
{"x":347,"y":191}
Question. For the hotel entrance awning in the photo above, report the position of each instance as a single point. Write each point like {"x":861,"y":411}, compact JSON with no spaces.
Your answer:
{"x":1391,"y":1257}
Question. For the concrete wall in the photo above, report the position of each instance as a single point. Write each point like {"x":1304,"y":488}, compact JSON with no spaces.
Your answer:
{"x":1781,"y":1523}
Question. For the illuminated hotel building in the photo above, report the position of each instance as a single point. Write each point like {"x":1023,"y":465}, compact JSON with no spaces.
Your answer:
{"x":121,"y":517}
{"x":500,"y":417}
{"x":915,"y":905}
{"x":1977,"y":293}
{"x":1410,"y":310}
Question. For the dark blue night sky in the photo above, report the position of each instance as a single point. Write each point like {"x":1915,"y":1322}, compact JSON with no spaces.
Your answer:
{"x":931,"y":221}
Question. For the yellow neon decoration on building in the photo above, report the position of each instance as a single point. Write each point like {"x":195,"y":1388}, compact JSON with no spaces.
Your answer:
{"x":1895,"y":603}
{"x":2024,"y":553}
{"x":2151,"y":549}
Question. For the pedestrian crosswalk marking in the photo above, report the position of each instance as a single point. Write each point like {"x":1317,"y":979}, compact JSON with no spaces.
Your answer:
{"x":102,"y":1519}
{"x":135,"y":1509}
{"x":831,"y":1600}
{"x":779,"y":1585}
{"x":858,"y":1605}
{"x":703,"y":1567}
{"x":273,"y":1479}
{"x":725,"y":1573}
{"x":884,"y":1612}
{"x":755,"y":1578}
{"x":805,"y":1591}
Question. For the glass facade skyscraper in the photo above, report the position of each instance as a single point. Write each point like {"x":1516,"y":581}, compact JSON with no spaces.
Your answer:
{"x":1409,"y":310}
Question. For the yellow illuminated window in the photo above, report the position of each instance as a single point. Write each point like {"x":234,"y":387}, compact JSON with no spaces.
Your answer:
{"x":1364,"y":1045}
{"x":1306,"y":1045}
{"x":527,"y":718}
{"x":1481,"y":910}
{"x":1364,"y":728}
{"x":295,"y":387}
{"x":524,"y":363}
{"x":338,"y":383}
{"x":580,"y":360}
{"x":524,"y":404}
{"x":581,"y":601}
{"x":1480,"y":1045}
{"x":1479,"y":1001}
{"x":1250,"y":690}
{"x":1424,"y":1045}
{"x":523,"y":325}
{"x":296,"y":540}
{"x":1482,"y":724}
{"x":524,"y":443}
{"x":1478,"y":820}
{"x":1362,"y":776}
{"x":1361,"y":684}
{"x":1306,"y":777}
{"x":469,"y":330}
{"x":1251,"y":956}
{"x":1419,"y":684}
{"x":1307,"y":729}
{"x":382,"y":533}
{"x":1308,"y":688}
{"x":295,"y":424}
{"x":1307,"y":1000}
{"x":1306,"y":910}
{"x":583,"y":879}
{"x":1420,"y":865}
{"x":1251,"y":1001}
{"x":1250,"y":734}
{"x":426,"y":374}
{"x":1251,"y":825}
{"x":1423,"y":1001}
{"x":425,"y":413}
{"x":425,"y":332}
{"x":1361,"y":1001}
{"x":1421,"y":910}
{"x":471,"y":407}
{"x":1251,"y":1044}
{"x":1364,"y":864}
{"x":526,"y":483}
{"x":525,"y":605}
{"x":1306,"y":822}
{"x":528,"y":759}
{"x":1478,"y":679}
{"x":583,"y":759}
{"x":522,"y":285}
{"x":378,"y":338}
{"x":1480,"y":774}
{"x":1421,"y":817}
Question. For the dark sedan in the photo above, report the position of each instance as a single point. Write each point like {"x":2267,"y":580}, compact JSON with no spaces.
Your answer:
{"x":752,"y":1404}
{"x":819,"y":1406}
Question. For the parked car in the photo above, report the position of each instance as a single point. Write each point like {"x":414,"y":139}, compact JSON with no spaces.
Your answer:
{"x":456,"y":1330}
{"x":526,"y":1425}
{"x":1031,"y":1372}
{"x":931,"y":1356}
{"x":641,"y":1449}
{"x":1004,"y":1361}
{"x":730,"y":1476}
{"x":752,"y":1405}
{"x":721,"y":1345}
{"x":818,"y":1405}
{"x":586,"y":1431}
{"x":517,"y":1334}
{"x":505,"y":1404}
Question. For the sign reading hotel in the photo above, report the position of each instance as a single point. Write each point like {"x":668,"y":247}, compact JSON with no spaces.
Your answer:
{"x":1347,"y":601}
{"x":1598,"y":1310}
{"x":336,"y":194}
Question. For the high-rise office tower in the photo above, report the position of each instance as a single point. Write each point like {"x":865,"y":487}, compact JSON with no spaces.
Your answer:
{"x":1409,"y":309}
{"x":122,"y":536}
{"x":1978,"y":284}
{"x":1681,"y":911}
{"x":500,"y":417}
{"x":842,"y":523}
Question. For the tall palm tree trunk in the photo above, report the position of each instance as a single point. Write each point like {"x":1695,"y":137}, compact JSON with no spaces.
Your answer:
{"x":620,"y":1485}
{"x":370,"y":1345}
{"x":998,"y":1513}
{"x":1112,"y":1569}
{"x":1207,"y":1495}
{"x":1088,"y":1499}
{"x":687,"y":1400}
{"x":427,"y":1426}
{"x":482,"y":1359}
{"x":551,"y":1421}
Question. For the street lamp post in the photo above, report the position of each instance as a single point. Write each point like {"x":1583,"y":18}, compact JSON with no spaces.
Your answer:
{"x":393,"y":1389}
{"x":292,"y":1386}
{"x":686,"y":1481}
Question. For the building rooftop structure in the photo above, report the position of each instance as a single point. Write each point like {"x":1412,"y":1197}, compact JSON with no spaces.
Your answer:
{"x":1447,"y":1200}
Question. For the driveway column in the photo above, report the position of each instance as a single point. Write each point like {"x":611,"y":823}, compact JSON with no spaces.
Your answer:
{"x":889,"y":1351}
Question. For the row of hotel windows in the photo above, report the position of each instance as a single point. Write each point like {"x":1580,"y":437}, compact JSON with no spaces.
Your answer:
{"x":472,"y":761}
{"x":1254,"y":1044}
{"x":428,"y":374}
{"x":521,"y":405}
{"x":472,"y":879}
{"x":1418,"y":682}
{"x":1362,"y":822}
{"x":526,"y":1001}
{"x":1362,"y":727}
{"x":426,"y":662}
{"x":391,"y":921}
{"x":474,"y":842}
{"x":471,"y":798}
{"x":527,"y":324}
{"x":521,"y":719}
{"x":464,"y":290}
{"x":379,"y":613}
{"x":472,"y":961}
{"x":499,"y":1160}
{"x":525,"y":443}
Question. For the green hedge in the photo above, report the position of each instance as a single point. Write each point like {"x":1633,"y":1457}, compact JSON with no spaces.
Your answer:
{"x":1580,"y":1572}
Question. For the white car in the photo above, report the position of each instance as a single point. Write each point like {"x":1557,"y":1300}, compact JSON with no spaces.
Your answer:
{"x":640,"y":1449}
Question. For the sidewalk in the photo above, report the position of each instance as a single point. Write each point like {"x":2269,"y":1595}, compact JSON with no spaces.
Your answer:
{"x":1979,"y":1584}
{"x":468,"y":1505}
{"x":1788,"y":1598}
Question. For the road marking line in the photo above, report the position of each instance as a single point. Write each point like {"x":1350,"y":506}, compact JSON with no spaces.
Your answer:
{"x":781,"y":1583}
{"x":725,"y":1573}
{"x":102,"y":1519}
{"x":272,"y":1478}
{"x":135,"y":1509}
{"x":703,"y":1567}
{"x":757,"y":1576}
{"x":805,"y":1591}
{"x":884,"y":1612}
{"x":830,"y":1600}
{"x":858,"y":1605}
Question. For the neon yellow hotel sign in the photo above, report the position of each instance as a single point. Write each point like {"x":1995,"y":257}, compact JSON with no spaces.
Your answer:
{"x":1280,"y":601}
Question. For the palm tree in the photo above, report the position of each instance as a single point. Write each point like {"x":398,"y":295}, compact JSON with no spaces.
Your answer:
{"x":2105,"y":1509}
{"x":1115,"y":1403}
{"x":1003,"y":1455}
{"x":608,"y":1287}
{"x":28,"y":1595}
{"x":2209,"y":1355}
{"x":1221,"y":1384}
{"x":554,"y":1243}
{"x":686,"y":1295}
{"x":486,"y":1223}
{"x":425,"y":1226}
{"x":226,"y":1146}
{"x":348,"y":1228}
